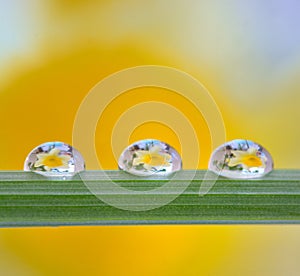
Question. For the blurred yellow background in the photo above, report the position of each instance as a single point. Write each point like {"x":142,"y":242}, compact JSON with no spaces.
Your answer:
{"x":247,"y":53}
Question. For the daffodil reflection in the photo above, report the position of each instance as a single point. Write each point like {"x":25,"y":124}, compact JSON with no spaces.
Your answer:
{"x":241,"y":159}
{"x":52,"y":160}
{"x":152,"y":158}
{"x":147,"y":157}
{"x":247,"y":159}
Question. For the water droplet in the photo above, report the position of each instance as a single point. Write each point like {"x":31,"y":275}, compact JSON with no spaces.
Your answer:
{"x":148,"y":157}
{"x":241,"y":159}
{"x":55,"y":160}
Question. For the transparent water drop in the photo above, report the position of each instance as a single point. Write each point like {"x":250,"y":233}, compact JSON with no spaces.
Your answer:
{"x":55,"y":160}
{"x":149,"y":157}
{"x":241,"y":159}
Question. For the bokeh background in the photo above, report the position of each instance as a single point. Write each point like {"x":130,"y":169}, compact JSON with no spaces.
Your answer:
{"x":247,"y":53}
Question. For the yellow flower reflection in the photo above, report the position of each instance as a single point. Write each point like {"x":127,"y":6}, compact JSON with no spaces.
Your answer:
{"x":52,"y":160}
{"x":152,"y":158}
{"x":248,"y":159}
